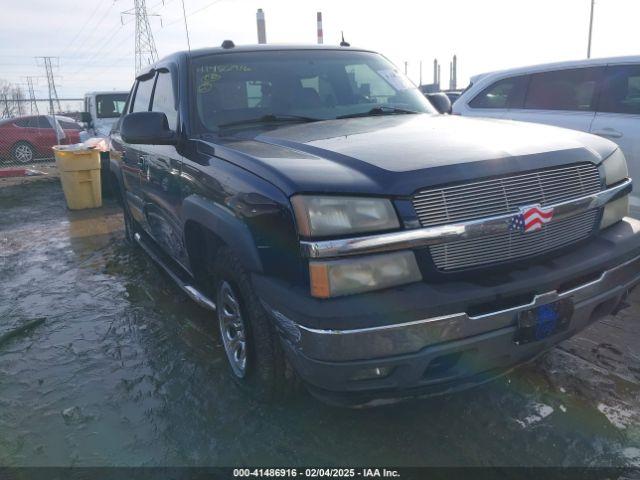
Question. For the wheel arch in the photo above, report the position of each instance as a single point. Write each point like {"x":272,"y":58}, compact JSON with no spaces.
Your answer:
{"x":207,"y":226}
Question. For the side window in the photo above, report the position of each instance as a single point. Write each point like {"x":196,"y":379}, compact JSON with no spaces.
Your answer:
{"x":28,"y":122}
{"x":506,"y":93}
{"x":621,"y":90}
{"x":163,"y":99}
{"x":563,"y":89}
{"x":43,"y":122}
{"x":143,"y":95}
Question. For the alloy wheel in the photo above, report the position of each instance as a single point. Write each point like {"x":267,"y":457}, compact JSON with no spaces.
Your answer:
{"x":232,"y":328}
{"x":23,"y":153}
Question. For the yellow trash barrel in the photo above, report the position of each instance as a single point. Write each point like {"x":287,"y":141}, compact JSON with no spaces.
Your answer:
{"x":80,"y":176}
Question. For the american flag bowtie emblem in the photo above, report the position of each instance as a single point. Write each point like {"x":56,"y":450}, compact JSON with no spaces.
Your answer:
{"x":531,"y":218}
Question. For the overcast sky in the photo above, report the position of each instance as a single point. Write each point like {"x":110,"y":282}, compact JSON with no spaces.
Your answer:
{"x":97,"y":51}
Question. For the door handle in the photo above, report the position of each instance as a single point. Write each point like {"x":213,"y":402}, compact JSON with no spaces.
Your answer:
{"x":142,"y":159}
{"x":608,"y":132}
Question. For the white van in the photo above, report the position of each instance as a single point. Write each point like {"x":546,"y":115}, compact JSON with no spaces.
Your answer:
{"x":601,"y":96}
{"x":102,"y":110}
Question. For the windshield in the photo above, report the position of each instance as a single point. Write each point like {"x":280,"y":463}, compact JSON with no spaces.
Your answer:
{"x":111,"y":105}
{"x":233,"y":88}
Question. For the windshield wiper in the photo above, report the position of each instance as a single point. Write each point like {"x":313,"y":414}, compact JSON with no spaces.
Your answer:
{"x":380,"y":110}
{"x":271,"y":118}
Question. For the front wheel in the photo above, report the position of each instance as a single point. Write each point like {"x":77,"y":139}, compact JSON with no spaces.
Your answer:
{"x":23,"y":152}
{"x":251,"y":344}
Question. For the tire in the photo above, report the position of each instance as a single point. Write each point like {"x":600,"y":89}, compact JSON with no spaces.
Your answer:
{"x":23,"y":152}
{"x":266,"y":374}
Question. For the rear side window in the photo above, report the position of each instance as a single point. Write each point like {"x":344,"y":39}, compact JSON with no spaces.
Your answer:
{"x":621,"y":90}
{"x":507,"y":93}
{"x":43,"y":122}
{"x":143,"y":95}
{"x":572,"y":90}
{"x":29,"y":122}
{"x":163,"y":99}
{"x":69,"y":125}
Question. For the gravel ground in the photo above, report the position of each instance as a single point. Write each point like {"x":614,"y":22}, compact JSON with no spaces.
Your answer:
{"x":118,"y":367}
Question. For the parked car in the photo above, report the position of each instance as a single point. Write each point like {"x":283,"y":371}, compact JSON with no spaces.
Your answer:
{"x":601,"y":96}
{"x":102,"y":110}
{"x":25,"y":139}
{"x":350,"y":237}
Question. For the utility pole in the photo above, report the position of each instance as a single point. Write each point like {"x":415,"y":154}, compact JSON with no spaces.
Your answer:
{"x":262,"y":26}
{"x":53,"y":93}
{"x":146,"y":52}
{"x":593,"y":3}
{"x":319,"y":26}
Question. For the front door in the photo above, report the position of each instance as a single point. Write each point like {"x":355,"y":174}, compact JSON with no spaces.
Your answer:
{"x":618,"y":116}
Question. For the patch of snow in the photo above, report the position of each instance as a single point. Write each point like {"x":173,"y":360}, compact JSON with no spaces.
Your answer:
{"x":633,"y":454}
{"x":617,"y":416}
{"x":541,"y":410}
{"x":563,"y":408}
{"x":562,"y":390}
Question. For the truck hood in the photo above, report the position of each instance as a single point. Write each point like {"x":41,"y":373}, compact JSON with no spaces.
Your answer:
{"x":397,"y":155}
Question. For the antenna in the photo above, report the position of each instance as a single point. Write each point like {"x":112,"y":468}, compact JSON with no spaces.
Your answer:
{"x":343,"y":43}
{"x":186,"y":27}
{"x":146,"y":52}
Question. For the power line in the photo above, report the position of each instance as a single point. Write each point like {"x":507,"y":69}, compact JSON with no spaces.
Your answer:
{"x":84,"y":25}
{"x":192,"y":13}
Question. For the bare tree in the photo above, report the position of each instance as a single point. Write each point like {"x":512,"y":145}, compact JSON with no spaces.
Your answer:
{"x":12,"y":99}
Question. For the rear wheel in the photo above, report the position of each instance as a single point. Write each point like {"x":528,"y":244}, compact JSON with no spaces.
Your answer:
{"x":251,"y":344}
{"x":23,"y":152}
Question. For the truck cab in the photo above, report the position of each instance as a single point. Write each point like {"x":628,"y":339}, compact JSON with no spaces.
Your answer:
{"x":102,"y":110}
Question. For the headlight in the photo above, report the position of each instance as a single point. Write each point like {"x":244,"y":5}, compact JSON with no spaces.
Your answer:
{"x":328,"y":215}
{"x":372,"y":272}
{"x":615,"y":211}
{"x":615,"y":168}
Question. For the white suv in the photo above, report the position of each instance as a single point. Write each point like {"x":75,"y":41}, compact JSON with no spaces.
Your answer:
{"x":601,"y":96}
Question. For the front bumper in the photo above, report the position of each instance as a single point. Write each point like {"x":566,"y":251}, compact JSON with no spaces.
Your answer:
{"x":444,"y":347}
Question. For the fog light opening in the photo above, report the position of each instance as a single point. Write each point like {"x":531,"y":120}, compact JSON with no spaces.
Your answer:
{"x":372,"y":373}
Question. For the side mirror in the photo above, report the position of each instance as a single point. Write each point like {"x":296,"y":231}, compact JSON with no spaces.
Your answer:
{"x":85,"y":117}
{"x":440,"y":101}
{"x":147,"y":128}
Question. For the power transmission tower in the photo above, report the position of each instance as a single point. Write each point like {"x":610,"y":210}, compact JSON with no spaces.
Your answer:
{"x":32,"y":96}
{"x":53,"y":93}
{"x":146,"y":52}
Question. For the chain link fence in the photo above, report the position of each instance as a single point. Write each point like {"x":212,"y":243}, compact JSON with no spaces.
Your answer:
{"x":26,"y":139}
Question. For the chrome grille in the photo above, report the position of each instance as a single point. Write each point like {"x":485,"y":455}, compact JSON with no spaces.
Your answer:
{"x":505,"y":195}
{"x":513,"y":245}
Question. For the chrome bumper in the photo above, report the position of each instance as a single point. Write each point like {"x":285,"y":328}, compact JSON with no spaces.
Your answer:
{"x":411,"y":337}
{"x":408,"y":239}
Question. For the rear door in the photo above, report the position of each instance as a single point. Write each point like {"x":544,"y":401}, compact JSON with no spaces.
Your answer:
{"x":161,"y":178}
{"x":564,"y":98}
{"x":133,"y":157}
{"x":618,"y":115}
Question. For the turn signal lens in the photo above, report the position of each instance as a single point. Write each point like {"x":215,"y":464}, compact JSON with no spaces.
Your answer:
{"x":374,"y":272}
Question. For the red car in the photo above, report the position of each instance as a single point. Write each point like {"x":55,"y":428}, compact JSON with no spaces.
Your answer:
{"x":24,"y":139}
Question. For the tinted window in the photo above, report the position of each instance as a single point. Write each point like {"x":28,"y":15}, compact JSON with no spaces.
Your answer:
{"x":143,"y":95}
{"x":563,"y":90}
{"x":621,"y":90}
{"x":319,"y":84}
{"x":163,"y":99}
{"x":507,"y":93}
{"x":43,"y":122}
{"x":29,"y":122}
{"x":110,"y":106}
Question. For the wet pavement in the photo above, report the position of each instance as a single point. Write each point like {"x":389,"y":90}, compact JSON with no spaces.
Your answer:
{"x":125,"y":370}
